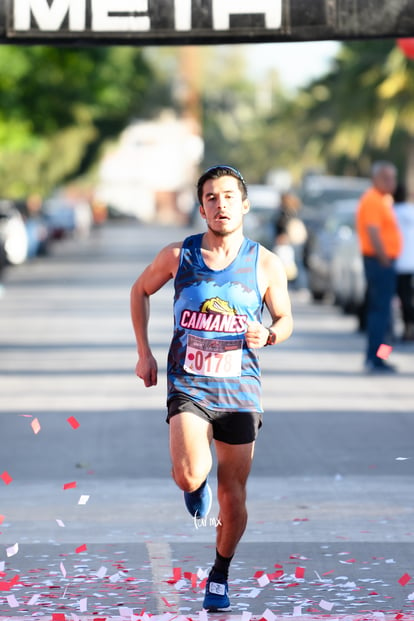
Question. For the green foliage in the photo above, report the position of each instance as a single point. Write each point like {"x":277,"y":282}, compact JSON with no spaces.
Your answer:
{"x":367,"y":107}
{"x":58,"y":105}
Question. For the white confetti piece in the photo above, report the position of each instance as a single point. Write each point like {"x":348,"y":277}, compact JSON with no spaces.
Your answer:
{"x":202,"y":615}
{"x":202,"y":573}
{"x":83,"y":604}
{"x":181,"y":584}
{"x":253,"y":593}
{"x":263,"y":580}
{"x":12,"y":550}
{"x":33,"y":600}
{"x":1,"y":565}
{"x":126,"y":613}
{"x":246,"y":616}
{"x":83,"y":499}
{"x":326,"y":605}
{"x":115,"y":578}
{"x":401,"y":458}
{"x":12,"y":601}
{"x":268,"y":615}
{"x":74,"y":617}
{"x":101,"y":573}
{"x":60,"y":523}
{"x":411,"y":597}
{"x":297,"y":611}
{"x":63,"y":570}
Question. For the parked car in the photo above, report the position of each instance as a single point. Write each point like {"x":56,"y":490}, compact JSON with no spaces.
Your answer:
{"x":260,"y":221}
{"x":37,"y":229}
{"x":13,"y":236}
{"x":347,"y":271}
{"x":322,"y":245}
{"x":321,"y":191}
{"x":60,"y":217}
{"x":67,"y":216}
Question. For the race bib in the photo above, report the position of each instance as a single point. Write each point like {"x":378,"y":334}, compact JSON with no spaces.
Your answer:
{"x":213,"y":357}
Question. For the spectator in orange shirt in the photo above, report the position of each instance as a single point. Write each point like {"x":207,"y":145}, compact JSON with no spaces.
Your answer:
{"x":380,"y":243}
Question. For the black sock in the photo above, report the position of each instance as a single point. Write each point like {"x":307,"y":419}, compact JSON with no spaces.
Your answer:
{"x":222,"y":564}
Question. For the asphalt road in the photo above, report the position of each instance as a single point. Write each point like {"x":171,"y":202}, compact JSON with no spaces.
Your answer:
{"x":331,"y":489}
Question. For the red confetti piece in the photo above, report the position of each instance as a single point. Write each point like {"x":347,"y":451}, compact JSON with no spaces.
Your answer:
{"x":70,"y":485}
{"x":6,"y":585}
{"x":1,"y":519}
{"x":167,"y":603}
{"x":81,"y":548}
{"x":384,"y":351}
{"x":258,"y":574}
{"x":276,"y":575}
{"x":73,"y":422}
{"x":176,"y":575}
{"x":405,"y":579}
{"x":6,"y":478}
{"x":58,"y":616}
{"x":299,"y":572}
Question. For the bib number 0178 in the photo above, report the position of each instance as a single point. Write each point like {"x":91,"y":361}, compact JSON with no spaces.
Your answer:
{"x":213,"y":357}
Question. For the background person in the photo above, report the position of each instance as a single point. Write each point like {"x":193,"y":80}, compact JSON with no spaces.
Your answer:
{"x":221,"y":281}
{"x":380,"y":243}
{"x":404,"y":264}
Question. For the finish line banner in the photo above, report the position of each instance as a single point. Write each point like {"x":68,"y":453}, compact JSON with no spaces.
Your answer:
{"x":180,"y":22}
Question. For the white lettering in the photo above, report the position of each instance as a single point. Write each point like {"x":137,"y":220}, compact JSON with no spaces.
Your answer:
{"x":182,"y":10}
{"x":49,"y":18}
{"x":223,"y":9}
{"x":103,"y":21}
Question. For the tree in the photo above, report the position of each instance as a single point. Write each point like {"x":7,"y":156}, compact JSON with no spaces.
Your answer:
{"x":58,"y":106}
{"x":363,"y":109}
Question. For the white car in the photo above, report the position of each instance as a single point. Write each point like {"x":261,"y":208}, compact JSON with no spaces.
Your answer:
{"x":13,"y":235}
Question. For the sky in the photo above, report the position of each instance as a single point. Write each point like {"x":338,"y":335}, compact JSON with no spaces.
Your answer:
{"x":296,"y":63}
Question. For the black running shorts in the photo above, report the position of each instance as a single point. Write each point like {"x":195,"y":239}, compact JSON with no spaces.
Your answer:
{"x":229,"y":427}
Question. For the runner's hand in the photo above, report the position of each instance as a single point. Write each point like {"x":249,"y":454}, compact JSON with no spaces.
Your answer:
{"x":147,"y":370}
{"x":256,"y":335}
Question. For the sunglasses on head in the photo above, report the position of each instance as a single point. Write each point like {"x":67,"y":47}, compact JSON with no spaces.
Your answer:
{"x":232,"y":170}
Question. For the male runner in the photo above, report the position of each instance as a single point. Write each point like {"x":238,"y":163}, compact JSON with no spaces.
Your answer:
{"x":222,"y":280}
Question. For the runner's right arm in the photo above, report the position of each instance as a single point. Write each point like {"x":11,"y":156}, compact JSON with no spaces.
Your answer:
{"x":155,"y":275}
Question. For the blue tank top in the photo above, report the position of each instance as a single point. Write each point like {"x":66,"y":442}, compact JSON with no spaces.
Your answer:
{"x":208,"y":359}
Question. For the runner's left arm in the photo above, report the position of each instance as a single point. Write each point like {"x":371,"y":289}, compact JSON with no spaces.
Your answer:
{"x":274,"y":286}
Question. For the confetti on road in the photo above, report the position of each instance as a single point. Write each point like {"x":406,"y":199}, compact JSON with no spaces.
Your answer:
{"x":70,"y":485}
{"x":35,"y":425}
{"x":405,"y":579}
{"x":12,"y":601}
{"x":6,"y":478}
{"x":83,"y":500}
{"x":12,"y":550}
{"x":384,"y":351}
{"x":82,"y":548}
{"x":73,"y":422}
{"x":299,"y":572}
{"x":326,"y":605}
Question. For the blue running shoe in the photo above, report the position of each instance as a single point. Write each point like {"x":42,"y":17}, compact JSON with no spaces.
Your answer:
{"x":216,"y":598}
{"x":199,"y":502}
